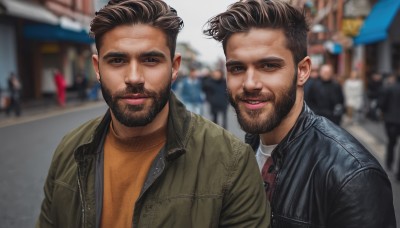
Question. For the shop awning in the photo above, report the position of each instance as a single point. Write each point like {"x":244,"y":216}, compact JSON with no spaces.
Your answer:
{"x":55,"y":33}
{"x":28,"y":10}
{"x":377,"y":24}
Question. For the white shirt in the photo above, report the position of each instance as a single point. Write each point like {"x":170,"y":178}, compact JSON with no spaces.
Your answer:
{"x":263,"y":153}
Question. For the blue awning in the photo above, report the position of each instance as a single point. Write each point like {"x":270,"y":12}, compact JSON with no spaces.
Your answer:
{"x":377,"y":24}
{"x":46,"y":32}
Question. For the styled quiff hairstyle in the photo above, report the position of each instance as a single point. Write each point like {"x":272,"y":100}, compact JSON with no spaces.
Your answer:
{"x":155,"y":13}
{"x":275,"y":14}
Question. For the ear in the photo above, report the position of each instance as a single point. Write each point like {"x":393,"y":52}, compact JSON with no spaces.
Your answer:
{"x":176,"y":63}
{"x":95,"y":63}
{"x":303,"y":71}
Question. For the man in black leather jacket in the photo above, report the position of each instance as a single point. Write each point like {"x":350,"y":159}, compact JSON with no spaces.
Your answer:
{"x":316,"y":174}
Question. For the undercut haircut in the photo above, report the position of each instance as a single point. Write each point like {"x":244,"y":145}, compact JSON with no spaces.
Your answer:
{"x":275,"y":14}
{"x":155,"y":13}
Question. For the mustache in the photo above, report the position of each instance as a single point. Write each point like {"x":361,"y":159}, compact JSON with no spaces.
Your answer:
{"x":134,"y":89}
{"x":246,"y":95}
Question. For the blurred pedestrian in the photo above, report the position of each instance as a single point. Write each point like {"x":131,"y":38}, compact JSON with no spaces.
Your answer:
{"x":374,"y":85}
{"x":94,"y":91}
{"x":81,"y":84}
{"x":214,"y":87}
{"x":189,"y":89}
{"x":148,"y":162}
{"x":14,"y":88}
{"x":326,"y":96}
{"x":61,"y":86}
{"x":353,"y":90}
{"x":315,"y":173}
{"x":389,"y":103}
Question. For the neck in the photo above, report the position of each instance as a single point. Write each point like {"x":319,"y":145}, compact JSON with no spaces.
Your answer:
{"x":128,"y":132}
{"x":277,"y":134}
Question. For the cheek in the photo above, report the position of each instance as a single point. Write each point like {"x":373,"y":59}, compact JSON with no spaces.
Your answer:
{"x":234,"y":84}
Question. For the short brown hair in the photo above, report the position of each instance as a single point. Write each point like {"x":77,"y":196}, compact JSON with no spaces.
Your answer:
{"x":155,"y":13}
{"x":276,"y":14}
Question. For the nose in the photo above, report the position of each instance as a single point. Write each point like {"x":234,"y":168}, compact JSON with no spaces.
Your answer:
{"x":134,"y":75}
{"x":251,"y":81}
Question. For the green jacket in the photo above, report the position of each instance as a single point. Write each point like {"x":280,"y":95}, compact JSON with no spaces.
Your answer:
{"x":203,"y":177}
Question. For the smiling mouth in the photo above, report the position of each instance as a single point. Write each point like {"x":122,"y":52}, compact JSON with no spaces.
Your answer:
{"x":254,"y":102}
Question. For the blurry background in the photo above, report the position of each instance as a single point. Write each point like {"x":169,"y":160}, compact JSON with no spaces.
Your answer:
{"x":39,"y":36}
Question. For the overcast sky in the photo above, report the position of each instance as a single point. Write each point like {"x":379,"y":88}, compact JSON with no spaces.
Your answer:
{"x":195,"y":14}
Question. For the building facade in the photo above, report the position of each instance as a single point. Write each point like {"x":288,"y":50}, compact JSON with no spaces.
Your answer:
{"x":42,"y":35}
{"x":361,"y":35}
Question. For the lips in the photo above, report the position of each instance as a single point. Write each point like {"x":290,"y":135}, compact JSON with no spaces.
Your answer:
{"x":134,"y":99}
{"x":134,"y":96}
{"x":254,"y":103}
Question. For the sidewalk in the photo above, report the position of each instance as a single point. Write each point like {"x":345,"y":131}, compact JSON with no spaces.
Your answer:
{"x":45,"y":106}
{"x":371,"y":134}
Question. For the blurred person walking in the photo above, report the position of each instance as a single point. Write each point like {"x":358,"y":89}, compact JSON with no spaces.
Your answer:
{"x":81,"y":84}
{"x":389,"y":103}
{"x":14,"y":88}
{"x":326,"y":97}
{"x":148,"y":161}
{"x":214,"y":87}
{"x":189,"y":89}
{"x":61,"y":86}
{"x":315,"y":173}
{"x":374,"y":86}
{"x":353,"y":90}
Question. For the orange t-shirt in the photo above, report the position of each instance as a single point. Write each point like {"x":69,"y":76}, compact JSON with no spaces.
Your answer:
{"x":126,"y":164}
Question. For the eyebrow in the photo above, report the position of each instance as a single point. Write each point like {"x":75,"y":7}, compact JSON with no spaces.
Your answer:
{"x":233,"y":63}
{"x":263,"y":60}
{"x":152,"y":54}
{"x":142,"y":55}
{"x":271,"y":59}
{"x":115,"y":55}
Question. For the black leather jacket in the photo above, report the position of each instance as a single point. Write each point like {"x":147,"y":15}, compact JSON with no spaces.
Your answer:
{"x":326,"y":178}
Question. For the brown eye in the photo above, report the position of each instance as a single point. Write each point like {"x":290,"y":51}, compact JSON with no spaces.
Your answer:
{"x":270,"y":66}
{"x":151,"y":60}
{"x":235,"y":69}
{"x":117,"y":61}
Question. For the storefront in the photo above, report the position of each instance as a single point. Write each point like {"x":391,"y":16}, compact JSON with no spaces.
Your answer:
{"x":380,"y":38}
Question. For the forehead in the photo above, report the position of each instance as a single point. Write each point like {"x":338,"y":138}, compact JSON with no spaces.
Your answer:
{"x":256,"y":43}
{"x":134,"y":37}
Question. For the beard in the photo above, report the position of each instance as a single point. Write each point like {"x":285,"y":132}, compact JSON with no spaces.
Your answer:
{"x":136,"y":115}
{"x":256,"y":121}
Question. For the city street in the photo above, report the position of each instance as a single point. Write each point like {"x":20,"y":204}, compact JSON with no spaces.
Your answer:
{"x":29,"y":142}
{"x":27,"y":146}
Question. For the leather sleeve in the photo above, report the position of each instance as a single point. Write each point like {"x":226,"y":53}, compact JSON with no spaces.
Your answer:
{"x":365,"y":200}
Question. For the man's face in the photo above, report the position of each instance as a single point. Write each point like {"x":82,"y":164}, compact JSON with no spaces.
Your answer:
{"x":326,"y":72}
{"x":135,"y":71}
{"x":261,"y":78}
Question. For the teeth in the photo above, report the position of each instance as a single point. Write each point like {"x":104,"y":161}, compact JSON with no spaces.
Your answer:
{"x":253,"y":102}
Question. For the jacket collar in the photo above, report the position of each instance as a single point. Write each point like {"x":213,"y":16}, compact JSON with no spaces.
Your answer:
{"x":178,"y":129}
{"x":303,"y":122}
{"x":177,"y":132}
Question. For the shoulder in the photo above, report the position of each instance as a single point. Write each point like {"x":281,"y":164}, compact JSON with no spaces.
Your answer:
{"x":340,"y":156}
{"x":216,"y":140}
{"x":342,"y":143}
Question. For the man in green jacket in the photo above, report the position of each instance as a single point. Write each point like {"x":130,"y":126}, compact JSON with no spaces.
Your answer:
{"x":148,"y":162}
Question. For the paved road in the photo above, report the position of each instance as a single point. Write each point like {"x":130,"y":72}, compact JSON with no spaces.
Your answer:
{"x":27,"y":145}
